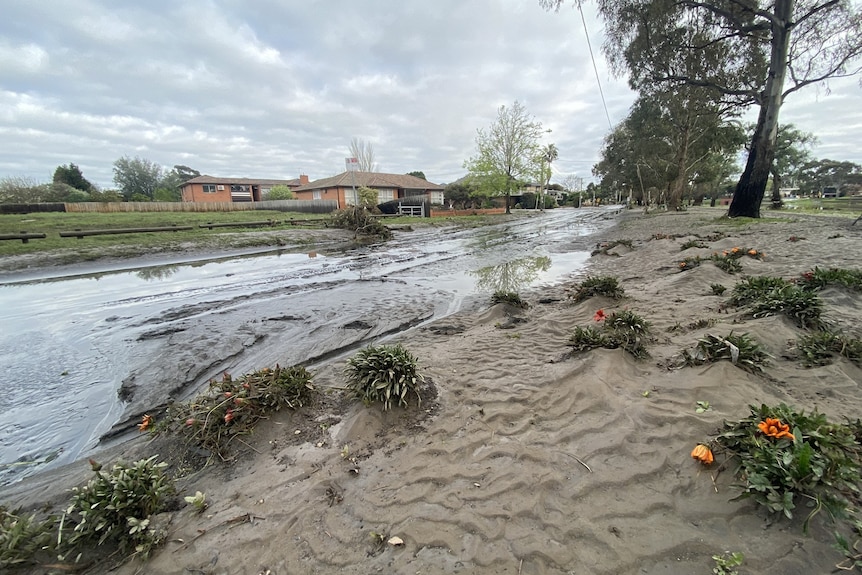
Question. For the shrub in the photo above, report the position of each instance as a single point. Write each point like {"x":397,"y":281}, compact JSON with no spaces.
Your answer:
{"x":717,"y":289}
{"x":508,"y":297}
{"x":740,"y":350}
{"x":280,"y":192}
{"x":22,"y":538}
{"x":692,"y":244}
{"x":606,"y":286}
{"x":231,"y":407}
{"x":586,"y":338}
{"x":383,"y":373}
{"x":814,"y":462}
{"x":726,"y":263}
{"x":117,"y":506}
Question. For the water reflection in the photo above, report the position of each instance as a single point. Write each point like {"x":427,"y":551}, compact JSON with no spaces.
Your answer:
{"x":511,"y":276}
{"x":157,"y":272}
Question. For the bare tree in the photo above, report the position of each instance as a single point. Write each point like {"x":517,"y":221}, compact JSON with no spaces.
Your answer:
{"x":364,"y":152}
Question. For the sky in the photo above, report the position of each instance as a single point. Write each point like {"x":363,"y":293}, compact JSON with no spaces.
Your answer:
{"x":278,"y":88}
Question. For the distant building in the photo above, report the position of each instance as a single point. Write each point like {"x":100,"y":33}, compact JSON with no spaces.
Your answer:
{"x":214,"y":189}
{"x":344,"y":187}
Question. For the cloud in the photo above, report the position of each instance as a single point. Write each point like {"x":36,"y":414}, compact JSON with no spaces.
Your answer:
{"x":274,"y":89}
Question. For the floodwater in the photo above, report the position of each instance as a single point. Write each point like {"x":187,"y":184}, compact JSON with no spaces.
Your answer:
{"x":71,"y":346}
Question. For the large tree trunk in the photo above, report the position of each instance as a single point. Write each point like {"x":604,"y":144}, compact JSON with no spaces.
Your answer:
{"x":676,"y":189}
{"x":752,"y":184}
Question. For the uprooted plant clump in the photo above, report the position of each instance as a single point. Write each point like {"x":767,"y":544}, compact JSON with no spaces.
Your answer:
{"x":361,"y":222}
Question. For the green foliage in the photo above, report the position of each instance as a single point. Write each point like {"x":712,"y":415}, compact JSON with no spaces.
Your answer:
{"x":767,"y":296}
{"x":137,"y":178}
{"x":821,"y":278}
{"x":507,"y":297}
{"x":22,"y":538}
{"x":717,"y":289}
{"x":621,"y":329}
{"x":692,"y":244}
{"x":689,"y":263}
{"x":741,"y":350}
{"x":726,"y":263}
{"x":383,"y":373}
{"x":232,"y":407}
{"x":198,"y":501}
{"x":118,"y":506}
{"x":367,"y":197}
{"x":724,"y":564}
{"x":72,"y":176}
{"x":418,"y":174}
{"x":280,"y":192}
{"x":817,"y":467}
{"x":820,"y":347}
{"x":361,"y":222}
{"x":607,"y":286}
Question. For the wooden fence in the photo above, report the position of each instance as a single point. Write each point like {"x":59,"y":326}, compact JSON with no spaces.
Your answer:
{"x":303,"y":206}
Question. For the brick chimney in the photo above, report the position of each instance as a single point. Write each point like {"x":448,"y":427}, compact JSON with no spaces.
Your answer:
{"x":303,"y":179}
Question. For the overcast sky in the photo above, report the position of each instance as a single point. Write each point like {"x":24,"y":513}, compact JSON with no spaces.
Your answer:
{"x":275,"y":88}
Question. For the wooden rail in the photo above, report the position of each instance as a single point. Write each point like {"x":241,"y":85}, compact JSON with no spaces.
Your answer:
{"x":23,"y":236}
{"x":81,"y":233}
{"x":212,"y":225}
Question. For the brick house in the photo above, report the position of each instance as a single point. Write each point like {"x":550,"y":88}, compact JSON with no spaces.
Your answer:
{"x":213,"y":189}
{"x":388,"y":186}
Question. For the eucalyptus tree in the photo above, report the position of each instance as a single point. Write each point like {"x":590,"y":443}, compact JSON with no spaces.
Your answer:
{"x":791,"y":154}
{"x":749,"y":52}
{"x":506,"y":151}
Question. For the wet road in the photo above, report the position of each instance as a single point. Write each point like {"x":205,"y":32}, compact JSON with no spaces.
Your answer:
{"x":71,"y":346}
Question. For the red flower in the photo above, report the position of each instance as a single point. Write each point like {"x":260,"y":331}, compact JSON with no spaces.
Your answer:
{"x":600,"y":315}
{"x":228,"y":417}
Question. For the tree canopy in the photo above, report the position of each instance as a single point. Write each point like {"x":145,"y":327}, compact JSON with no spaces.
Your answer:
{"x":71,"y":175}
{"x":506,"y":152}
{"x":137,"y":178}
{"x":745,"y":52}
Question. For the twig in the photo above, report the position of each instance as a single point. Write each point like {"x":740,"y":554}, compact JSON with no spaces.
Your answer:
{"x":576,"y":458}
{"x":246,"y":444}
{"x":521,"y":564}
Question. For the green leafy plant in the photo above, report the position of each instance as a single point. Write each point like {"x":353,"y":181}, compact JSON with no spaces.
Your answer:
{"x":820,"y":347}
{"x":689,"y":263}
{"x":727,"y":263}
{"x":606,"y":286}
{"x":821,"y":278}
{"x":702,"y":406}
{"x":198,"y":501}
{"x":118,"y":506}
{"x":790,"y":459}
{"x":717,"y":289}
{"x":621,"y":329}
{"x":23,"y":538}
{"x":508,"y":297}
{"x":360,"y":221}
{"x":692,"y":244}
{"x":767,"y":296}
{"x":740,"y":349}
{"x":724,"y":564}
{"x":232,"y":407}
{"x":384,"y":373}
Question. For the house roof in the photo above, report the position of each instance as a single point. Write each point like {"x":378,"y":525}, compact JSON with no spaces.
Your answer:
{"x":246,"y":181}
{"x":370,"y":180}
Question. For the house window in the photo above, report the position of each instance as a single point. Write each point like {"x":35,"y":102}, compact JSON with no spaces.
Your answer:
{"x":209,"y":188}
{"x":315,"y":195}
{"x":384,"y":196}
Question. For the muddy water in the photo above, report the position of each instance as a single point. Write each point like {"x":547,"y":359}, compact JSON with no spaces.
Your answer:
{"x":72,"y":346}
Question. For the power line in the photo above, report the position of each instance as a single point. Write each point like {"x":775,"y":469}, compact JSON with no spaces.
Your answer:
{"x":595,"y":68}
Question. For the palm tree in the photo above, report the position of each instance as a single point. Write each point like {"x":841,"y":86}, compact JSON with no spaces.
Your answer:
{"x":549,"y":154}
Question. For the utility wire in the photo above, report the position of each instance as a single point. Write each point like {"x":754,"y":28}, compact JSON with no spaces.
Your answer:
{"x":595,"y":68}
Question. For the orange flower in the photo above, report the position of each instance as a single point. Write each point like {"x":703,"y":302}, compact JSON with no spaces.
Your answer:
{"x":734,"y":250}
{"x":682,"y":264}
{"x":703,"y":454}
{"x":600,"y":315}
{"x":724,"y":253}
{"x":774,"y":428}
{"x":752,"y":252}
{"x":145,"y":423}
